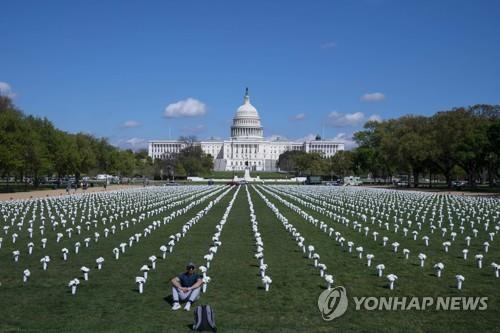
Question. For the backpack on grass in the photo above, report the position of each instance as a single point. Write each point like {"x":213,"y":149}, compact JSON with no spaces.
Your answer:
{"x":204,"y":319}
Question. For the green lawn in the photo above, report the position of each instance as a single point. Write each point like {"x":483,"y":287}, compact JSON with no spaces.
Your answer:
{"x":436,"y":188}
{"x":352,"y":273}
{"x":109,"y":301}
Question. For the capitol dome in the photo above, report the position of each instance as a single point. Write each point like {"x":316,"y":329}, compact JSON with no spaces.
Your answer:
{"x":247,"y":109}
{"x":246,"y":122}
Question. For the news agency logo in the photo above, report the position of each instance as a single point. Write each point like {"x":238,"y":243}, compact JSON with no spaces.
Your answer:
{"x":403,"y":303}
{"x":333,"y":303}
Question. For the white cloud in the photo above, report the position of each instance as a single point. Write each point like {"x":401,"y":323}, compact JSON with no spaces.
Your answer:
{"x":348,"y":141}
{"x":276,"y":137}
{"x":337,"y":119}
{"x":373,"y":97}
{"x":136,"y":142}
{"x":300,"y":116}
{"x":130,"y":124}
{"x":328,"y":45}
{"x":132,"y":143}
{"x":375,"y":117}
{"x":6,"y":90}
{"x":308,"y":137}
{"x":189,"y":107}
{"x":194,"y":130}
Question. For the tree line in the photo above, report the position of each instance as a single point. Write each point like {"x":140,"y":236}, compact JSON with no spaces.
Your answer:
{"x":32,"y":147}
{"x":462,"y":141}
{"x":190,"y":161}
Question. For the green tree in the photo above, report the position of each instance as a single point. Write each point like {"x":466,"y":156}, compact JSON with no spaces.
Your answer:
{"x":311,"y":164}
{"x":127,"y":163}
{"x":414,"y":143}
{"x":493,"y":156}
{"x":143,"y":163}
{"x":194,"y":161}
{"x":11,"y":135}
{"x":472,"y":148}
{"x":446,"y":133}
{"x":66,"y":154}
{"x":179,"y":170}
{"x":288,"y":161}
{"x":377,"y":151}
{"x":341,"y":164}
{"x":86,"y":159}
{"x":35,"y":150}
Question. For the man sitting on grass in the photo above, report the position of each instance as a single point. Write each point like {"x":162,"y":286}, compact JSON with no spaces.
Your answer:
{"x":186,"y":286}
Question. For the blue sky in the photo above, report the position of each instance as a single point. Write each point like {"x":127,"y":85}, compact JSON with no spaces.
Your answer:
{"x":111,"y":68}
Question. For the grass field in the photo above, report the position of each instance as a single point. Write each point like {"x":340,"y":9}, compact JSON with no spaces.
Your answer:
{"x":110,"y":301}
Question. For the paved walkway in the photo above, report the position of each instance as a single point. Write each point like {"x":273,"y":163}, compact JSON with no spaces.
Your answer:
{"x":58,"y":192}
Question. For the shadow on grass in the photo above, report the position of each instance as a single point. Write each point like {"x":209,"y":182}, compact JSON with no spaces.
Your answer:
{"x":169,"y":299}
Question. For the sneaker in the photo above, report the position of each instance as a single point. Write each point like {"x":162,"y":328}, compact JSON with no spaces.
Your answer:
{"x":187,"y":307}
{"x":176,"y":306}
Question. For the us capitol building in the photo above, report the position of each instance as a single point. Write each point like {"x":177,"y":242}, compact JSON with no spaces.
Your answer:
{"x":246,"y":146}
